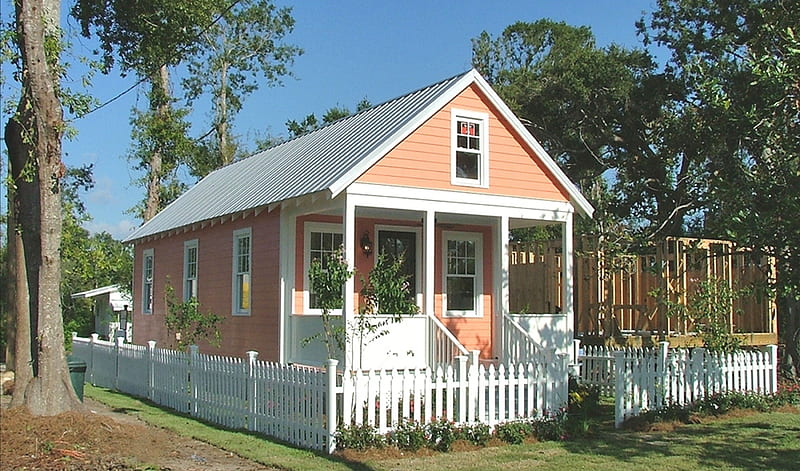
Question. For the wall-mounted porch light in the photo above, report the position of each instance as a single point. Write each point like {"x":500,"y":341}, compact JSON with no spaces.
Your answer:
{"x":366,"y":244}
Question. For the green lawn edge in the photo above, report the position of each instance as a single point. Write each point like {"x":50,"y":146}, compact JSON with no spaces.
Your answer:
{"x":769,"y":440}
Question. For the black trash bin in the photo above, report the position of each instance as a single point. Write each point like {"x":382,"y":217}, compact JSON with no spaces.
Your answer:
{"x":77,"y":374}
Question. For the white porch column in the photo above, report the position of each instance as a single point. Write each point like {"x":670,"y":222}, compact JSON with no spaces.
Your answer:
{"x":288,"y":240}
{"x":348,"y":311}
{"x":567,"y":261}
{"x":429,"y":226}
{"x":501,"y":281}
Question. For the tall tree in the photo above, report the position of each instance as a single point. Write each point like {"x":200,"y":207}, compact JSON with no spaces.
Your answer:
{"x":148,"y":37}
{"x":246,"y":42}
{"x":741,"y":61}
{"x":33,"y":137}
{"x":611,"y":120}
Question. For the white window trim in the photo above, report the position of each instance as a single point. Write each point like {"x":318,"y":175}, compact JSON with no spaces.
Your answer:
{"x":147,"y":307}
{"x":237,"y":234}
{"x":418,"y":263}
{"x":187,"y":245}
{"x":308,"y":228}
{"x":476,"y":237}
{"x":483,"y":162}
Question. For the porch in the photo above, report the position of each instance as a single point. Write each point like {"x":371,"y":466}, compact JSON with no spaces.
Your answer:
{"x":457,"y":246}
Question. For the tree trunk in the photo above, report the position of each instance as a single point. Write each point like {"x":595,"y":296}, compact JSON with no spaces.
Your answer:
{"x":160,"y":96}
{"x":49,"y":391}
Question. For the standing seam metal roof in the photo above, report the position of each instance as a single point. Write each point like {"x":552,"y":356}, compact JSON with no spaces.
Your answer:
{"x":307,"y":164}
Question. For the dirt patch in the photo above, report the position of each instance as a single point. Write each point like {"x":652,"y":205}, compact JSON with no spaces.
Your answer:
{"x":104,"y":440}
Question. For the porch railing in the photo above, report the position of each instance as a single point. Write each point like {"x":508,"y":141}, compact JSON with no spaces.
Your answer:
{"x":443,"y":346}
{"x":518,"y":346}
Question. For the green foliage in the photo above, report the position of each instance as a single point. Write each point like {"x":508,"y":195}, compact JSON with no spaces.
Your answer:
{"x":478,"y":433}
{"x":583,"y":399}
{"x":358,"y":437}
{"x":709,"y":307}
{"x":188,"y":324}
{"x":246,"y":43}
{"x":409,"y":435}
{"x":310,"y":122}
{"x":387,"y":290}
{"x":441,"y":434}
{"x":327,"y":279}
{"x":514,"y":432}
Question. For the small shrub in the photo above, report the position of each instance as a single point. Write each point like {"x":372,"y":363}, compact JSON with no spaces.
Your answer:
{"x":583,"y":399}
{"x":551,"y":427}
{"x":409,"y":435}
{"x":514,"y":432}
{"x":478,"y":434}
{"x":358,"y":437}
{"x":442,"y":434}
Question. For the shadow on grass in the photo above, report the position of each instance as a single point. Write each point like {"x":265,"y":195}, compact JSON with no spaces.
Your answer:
{"x":764,"y":441}
{"x":288,"y":451}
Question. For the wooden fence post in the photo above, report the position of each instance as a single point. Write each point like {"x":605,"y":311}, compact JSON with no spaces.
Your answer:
{"x":194,"y":375}
{"x":472,"y":387}
{"x":151,"y":350}
{"x":250,"y":377}
{"x":331,"y":405}
{"x":620,"y":377}
{"x":575,"y":367}
{"x":698,"y":373}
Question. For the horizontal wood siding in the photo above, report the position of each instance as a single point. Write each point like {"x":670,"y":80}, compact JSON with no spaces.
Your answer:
{"x":258,"y":331}
{"x":423,"y":159}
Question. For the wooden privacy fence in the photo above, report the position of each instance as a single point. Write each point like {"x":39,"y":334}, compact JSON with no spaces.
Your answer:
{"x":303,"y":406}
{"x":613,"y":296}
{"x":644,"y":379}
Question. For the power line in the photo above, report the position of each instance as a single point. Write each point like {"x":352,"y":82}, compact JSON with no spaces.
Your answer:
{"x":169,"y":59}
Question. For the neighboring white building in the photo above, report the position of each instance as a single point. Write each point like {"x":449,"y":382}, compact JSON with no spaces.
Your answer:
{"x":112,"y":311}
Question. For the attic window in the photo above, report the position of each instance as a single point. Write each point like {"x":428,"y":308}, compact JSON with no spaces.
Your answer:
{"x":469,"y":149}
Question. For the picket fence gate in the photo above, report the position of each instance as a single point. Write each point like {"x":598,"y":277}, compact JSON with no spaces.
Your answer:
{"x":643,"y":379}
{"x":304,"y":405}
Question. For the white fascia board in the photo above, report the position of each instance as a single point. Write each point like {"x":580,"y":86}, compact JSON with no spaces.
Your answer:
{"x":581,"y":203}
{"x":392,"y":141}
{"x":457,"y":202}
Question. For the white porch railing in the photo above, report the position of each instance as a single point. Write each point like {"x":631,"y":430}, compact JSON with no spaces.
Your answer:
{"x":519,"y":346}
{"x":443,"y":346}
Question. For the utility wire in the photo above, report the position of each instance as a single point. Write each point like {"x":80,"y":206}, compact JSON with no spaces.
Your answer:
{"x":169,"y":59}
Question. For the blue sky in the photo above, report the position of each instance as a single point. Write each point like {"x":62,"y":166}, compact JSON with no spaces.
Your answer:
{"x":353,"y":50}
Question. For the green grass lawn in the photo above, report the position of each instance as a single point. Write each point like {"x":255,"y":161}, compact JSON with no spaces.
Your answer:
{"x":749,"y":441}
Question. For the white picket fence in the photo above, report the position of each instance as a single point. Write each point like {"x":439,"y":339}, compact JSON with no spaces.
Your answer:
{"x":294,"y":403}
{"x":653,"y":378}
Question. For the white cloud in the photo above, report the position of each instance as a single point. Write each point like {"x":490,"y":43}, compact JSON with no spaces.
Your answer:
{"x":119,"y":231}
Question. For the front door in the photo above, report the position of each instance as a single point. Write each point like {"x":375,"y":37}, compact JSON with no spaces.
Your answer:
{"x":395,"y":244}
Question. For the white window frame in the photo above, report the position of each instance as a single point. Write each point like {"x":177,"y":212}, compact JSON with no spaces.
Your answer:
{"x":188,"y":278}
{"x":148,"y":286}
{"x":477,"y":238}
{"x":483,"y":160}
{"x":308,"y":228}
{"x":235,"y":301}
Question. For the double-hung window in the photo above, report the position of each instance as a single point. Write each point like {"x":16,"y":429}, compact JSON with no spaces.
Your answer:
{"x":470,"y":149}
{"x":147,"y":281}
{"x":189,"y":269}
{"x":322,"y":240}
{"x":241,"y":272}
{"x":463,"y":280}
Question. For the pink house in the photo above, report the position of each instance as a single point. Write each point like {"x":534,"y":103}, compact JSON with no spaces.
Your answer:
{"x":443,"y":173}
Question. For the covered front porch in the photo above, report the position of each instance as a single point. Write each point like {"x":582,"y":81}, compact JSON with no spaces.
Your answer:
{"x":456,"y":245}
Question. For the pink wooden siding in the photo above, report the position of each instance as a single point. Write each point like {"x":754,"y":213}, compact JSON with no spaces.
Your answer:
{"x":423,"y":159}
{"x":260,"y":330}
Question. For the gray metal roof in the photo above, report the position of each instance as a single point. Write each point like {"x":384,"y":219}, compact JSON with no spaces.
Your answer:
{"x":307,"y":164}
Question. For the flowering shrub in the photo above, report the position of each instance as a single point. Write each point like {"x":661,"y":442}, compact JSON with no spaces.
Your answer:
{"x":358,"y":437}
